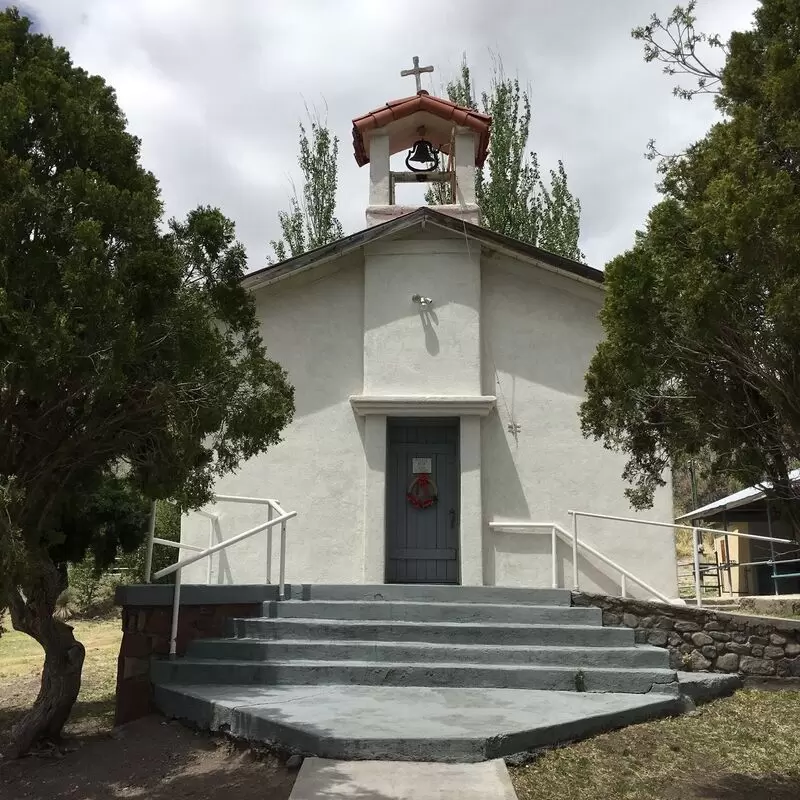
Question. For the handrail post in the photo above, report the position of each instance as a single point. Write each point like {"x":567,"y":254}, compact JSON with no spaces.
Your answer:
{"x":553,"y":559}
{"x":148,"y":553}
{"x":282,"y":566}
{"x":269,"y":545}
{"x":575,"y":585}
{"x":623,"y":584}
{"x":176,"y":607}
{"x":696,"y":548}
{"x":210,"y":544}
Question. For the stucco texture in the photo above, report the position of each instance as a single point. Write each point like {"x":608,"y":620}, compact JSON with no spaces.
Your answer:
{"x":497,"y":326}
{"x":540,"y":331}
{"x":313,"y":326}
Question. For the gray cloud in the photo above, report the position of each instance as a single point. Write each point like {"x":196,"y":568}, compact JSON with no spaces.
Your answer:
{"x":216,"y":90}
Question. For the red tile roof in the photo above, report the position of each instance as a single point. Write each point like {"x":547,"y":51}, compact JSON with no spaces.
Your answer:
{"x":398,"y":109}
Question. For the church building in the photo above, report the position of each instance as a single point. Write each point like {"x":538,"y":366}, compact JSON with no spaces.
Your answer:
{"x":438,"y":369}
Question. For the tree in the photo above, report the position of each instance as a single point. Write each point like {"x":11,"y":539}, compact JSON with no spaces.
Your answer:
{"x":310,"y":221}
{"x":694,"y":483}
{"x":167,"y":526}
{"x":683,"y":50}
{"x":513,"y":198}
{"x":131,"y":366}
{"x":702,"y":315}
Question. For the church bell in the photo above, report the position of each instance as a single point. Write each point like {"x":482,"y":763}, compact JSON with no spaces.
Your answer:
{"x":422,"y":152}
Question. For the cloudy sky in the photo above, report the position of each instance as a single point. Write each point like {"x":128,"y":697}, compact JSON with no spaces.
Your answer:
{"x":215,"y":91}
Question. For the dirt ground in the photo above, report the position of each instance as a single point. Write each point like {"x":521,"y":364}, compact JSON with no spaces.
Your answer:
{"x":151,"y":759}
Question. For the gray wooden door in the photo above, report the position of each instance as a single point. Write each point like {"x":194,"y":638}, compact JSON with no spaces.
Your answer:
{"x":422,"y":543}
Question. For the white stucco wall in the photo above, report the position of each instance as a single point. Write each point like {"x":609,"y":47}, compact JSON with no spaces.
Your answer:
{"x":540,"y":331}
{"x":312,"y":325}
{"x":350,"y":329}
{"x":411,"y":350}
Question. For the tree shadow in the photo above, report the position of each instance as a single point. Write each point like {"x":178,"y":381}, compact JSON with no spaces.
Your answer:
{"x":738,"y":786}
{"x":735,"y":786}
{"x":331,"y":780}
{"x":149,"y":758}
{"x":164,"y":760}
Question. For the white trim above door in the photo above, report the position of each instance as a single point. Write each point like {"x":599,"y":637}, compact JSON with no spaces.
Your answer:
{"x":423,"y":405}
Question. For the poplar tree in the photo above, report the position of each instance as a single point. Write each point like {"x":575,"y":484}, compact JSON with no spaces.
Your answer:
{"x":513,"y":198}
{"x":310,"y":221}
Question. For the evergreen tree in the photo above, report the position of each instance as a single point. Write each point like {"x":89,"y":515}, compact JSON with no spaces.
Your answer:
{"x":702,"y":315}
{"x":131,"y":365}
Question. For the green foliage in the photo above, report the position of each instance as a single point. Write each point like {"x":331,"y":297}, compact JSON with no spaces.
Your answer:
{"x":513,"y":198}
{"x":91,"y":586}
{"x":695,"y":483}
{"x":702,"y":315}
{"x":131,"y":365}
{"x":310,"y":221}
{"x":168,"y":526}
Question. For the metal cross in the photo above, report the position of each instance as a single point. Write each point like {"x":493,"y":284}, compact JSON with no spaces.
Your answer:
{"x":416,"y":72}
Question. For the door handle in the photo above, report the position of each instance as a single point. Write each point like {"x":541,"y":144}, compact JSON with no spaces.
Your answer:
{"x":452,"y":513}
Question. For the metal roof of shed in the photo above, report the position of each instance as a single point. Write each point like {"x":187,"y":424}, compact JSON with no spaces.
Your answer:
{"x":741,"y":498}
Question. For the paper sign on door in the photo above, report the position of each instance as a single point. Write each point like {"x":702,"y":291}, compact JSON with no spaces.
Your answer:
{"x":420,"y":465}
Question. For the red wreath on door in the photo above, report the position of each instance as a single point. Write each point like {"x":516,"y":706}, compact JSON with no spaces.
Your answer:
{"x":422,"y":491}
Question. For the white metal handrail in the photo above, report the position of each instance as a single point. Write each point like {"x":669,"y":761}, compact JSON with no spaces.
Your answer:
{"x":557,"y":531}
{"x":696,"y":532}
{"x":274,"y":508}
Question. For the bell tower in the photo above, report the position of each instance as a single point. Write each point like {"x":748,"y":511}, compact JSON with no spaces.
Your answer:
{"x":445,"y":142}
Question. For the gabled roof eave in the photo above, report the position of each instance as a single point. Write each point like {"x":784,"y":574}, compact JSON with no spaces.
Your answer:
{"x":543,"y":259}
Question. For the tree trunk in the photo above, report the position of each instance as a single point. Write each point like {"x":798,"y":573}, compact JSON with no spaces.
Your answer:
{"x":61,"y":682}
{"x":63,"y":662}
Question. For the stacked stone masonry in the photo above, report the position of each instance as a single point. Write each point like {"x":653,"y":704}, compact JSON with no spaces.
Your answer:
{"x":701,"y":640}
{"x":146,"y":633}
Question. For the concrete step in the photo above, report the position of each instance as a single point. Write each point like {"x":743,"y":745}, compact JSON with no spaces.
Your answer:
{"x":426,"y":611}
{"x":489,"y":633}
{"x":409,"y":723}
{"x":188,"y":671}
{"x":432,"y":593}
{"x":332,"y":650}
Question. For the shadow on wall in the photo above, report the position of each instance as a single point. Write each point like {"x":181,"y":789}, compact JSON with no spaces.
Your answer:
{"x":222,"y":567}
{"x":429,"y":320}
{"x":594,"y":576}
{"x":502,"y":492}
{"x":523,"y":557}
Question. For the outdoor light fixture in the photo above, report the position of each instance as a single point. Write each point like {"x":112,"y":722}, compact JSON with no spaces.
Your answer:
{"x":423,"y":302}
{"x":423,"y":152}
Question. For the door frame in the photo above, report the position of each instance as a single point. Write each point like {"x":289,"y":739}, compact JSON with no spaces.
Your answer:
{"x":417,"y":422}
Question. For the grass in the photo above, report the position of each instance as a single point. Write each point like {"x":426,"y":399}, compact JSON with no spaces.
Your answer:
{"x":21,"y":664}
{"x":739,"y":748}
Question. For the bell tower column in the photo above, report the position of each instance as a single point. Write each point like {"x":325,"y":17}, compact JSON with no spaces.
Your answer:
{"x":465,"y":167}
{"x":380,"y":180}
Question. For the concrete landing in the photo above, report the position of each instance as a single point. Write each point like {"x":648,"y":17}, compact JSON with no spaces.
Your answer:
{"x":320,"y":779}
{"x":407,"y":723}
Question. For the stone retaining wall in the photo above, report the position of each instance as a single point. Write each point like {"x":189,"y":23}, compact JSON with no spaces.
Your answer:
{"x":702,"y":640}
{"x":146,"y":633}
{"x":147,"y":624}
